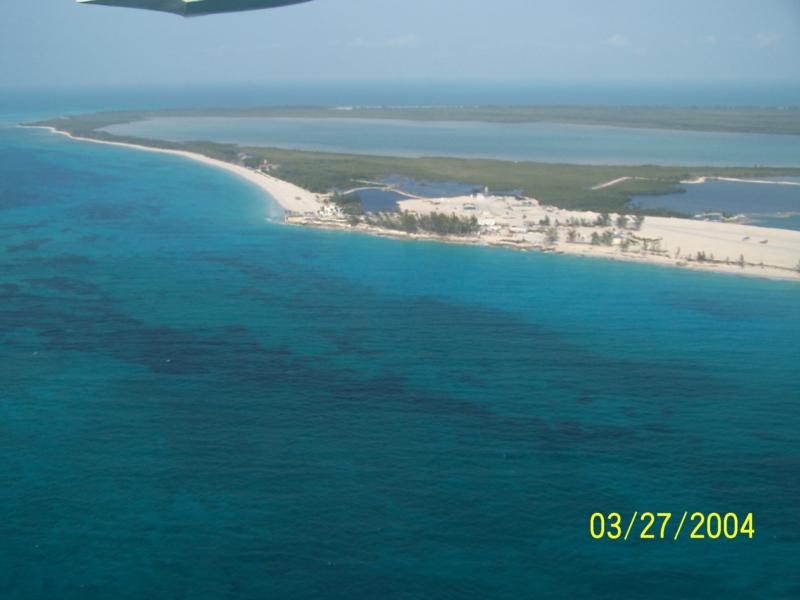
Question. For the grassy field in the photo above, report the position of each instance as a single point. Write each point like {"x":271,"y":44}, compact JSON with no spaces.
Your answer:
{"x":562,"y":185}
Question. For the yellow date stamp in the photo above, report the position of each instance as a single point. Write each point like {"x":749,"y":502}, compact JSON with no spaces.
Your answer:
{"x":671,"y":526}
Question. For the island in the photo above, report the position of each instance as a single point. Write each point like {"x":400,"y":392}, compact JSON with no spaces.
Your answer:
{"x":562,"y":208}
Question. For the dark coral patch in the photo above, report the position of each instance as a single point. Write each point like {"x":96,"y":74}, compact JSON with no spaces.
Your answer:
{"x":28,"y":245}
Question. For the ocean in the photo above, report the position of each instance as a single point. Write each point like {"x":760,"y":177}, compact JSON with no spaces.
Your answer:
{"x":198,"y":402}
{"x":391,"y":92}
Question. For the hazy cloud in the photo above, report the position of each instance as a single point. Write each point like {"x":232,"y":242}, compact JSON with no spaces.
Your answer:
{"x":711,"y":40}
{"x":618,"y":41}
{"x":408,"y":40}
{"x":403,"y":41}
{"x":767,"y":38}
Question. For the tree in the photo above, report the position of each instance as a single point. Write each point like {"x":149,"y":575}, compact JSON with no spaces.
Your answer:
{"x":604,"y":220}
{"x":251,"y":162}
{"x":595,"y":238}
{"x":551,"y":235}
{"x":572,"y":236}
{"x":438,"y":223}
{"x":408,"y":222}
{"x":622,"y":221}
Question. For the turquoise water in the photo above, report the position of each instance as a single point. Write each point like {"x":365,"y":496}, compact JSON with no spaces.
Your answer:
{"x":542,"y":142}
{"x":197,"y":403}
{"x":766,"y":205}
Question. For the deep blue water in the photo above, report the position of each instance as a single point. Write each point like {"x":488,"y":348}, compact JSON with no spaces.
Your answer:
{"x":197,"y":403}
{"x":541,"y":142}
{"x":766,"y":205}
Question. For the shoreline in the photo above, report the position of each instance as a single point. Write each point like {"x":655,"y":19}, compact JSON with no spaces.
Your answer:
{"x":702,"y":180}
{"x":582,"y":250}
{"x":287,"y":195}
{"x":299,"y":201}
{"x":771,"y":273}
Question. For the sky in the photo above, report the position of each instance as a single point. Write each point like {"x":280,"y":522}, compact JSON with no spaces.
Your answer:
{"x":60,"y":42}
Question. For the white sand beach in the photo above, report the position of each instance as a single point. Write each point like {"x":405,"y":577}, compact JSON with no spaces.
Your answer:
{"x":688,"y":243}
{"x":289,"y":196}
{"x":525,"y":224}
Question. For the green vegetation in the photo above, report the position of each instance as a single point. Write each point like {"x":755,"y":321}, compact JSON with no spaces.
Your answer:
{"x":438,"y":223}
{"x":562,"y":185}
{"x":565,"y":186}
{"x":551,"y":235}
{"x":602,"y":239}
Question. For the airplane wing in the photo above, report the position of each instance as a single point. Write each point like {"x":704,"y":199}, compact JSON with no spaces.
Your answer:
{"x":189,"y":8}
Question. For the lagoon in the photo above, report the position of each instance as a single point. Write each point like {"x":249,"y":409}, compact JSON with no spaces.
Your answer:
{"x":541,"y":142}
{"x":763,"y":204}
